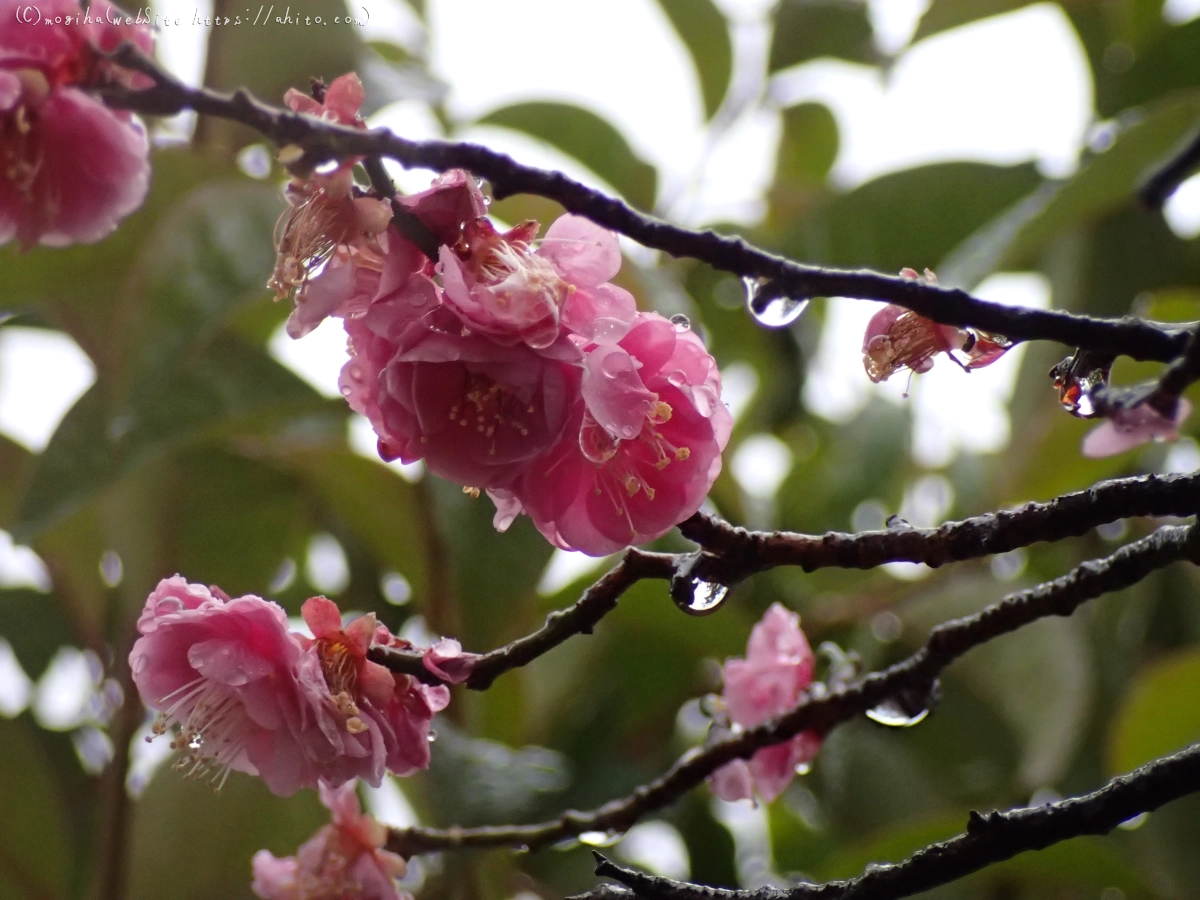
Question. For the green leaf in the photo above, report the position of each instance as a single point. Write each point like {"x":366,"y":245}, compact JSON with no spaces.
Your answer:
{"x":34,"y":624}
{"x":588,"y":138}
{"x":1105,"y":183}
{"x":1167,"y":65}
{"x":190,"y":843}
{"x":224,"y":386}
{"x":35,"y":853}
{"x":236,"y":520}
{"x":909,"y":218}
{"x":376,"y":504}
{"x":809,"y":144}
{"x":945,"y":14}
{"x":393,"y":53}
{"x":705,"y":33}
{"x":13,"y":461}
{"x":1159,"y":714}
{"x":810,"y":29}
{"x":1041,"y":682}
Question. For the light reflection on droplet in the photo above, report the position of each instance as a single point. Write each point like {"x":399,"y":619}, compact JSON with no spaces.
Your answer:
{"x":771,"y":307}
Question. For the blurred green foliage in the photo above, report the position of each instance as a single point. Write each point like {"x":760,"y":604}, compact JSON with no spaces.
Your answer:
{"x":196,"y":452}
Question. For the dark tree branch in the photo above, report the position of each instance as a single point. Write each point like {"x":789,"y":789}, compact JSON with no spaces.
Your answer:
{"x":316,"y":140}
{"x":1183,"y":372}
{"x":990,"y":838}
{"x":731,"y":554}
{"x":821,"y":708}
{"x":1162,"y":183}
{"x":579,"y":618}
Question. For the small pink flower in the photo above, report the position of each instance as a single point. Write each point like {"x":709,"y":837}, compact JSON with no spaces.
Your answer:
{"x":224,"y":672}
{"x":70,"y":168}
{"x":499,"y":285}
{"x":341,"y":102}
{"x":343,"y":860}
{"x":248,"y":695}
{"x":392,"y":711}
{"x":643,"y":448}
{"x":1125,"y":429}
{"x":897,"y":338}
{"x":447,"y":660}
{"x":767,"y":683}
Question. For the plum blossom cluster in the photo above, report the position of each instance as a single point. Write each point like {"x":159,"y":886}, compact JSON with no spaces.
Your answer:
{"x":776,"y":671}
{"x":343,"y":859}
{"x":240,"y":691}
{"x":510,"y":365}
{"x":70,"y":167}
{"x":898,"y":338}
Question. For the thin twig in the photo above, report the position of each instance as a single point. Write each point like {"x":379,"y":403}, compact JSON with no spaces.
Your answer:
{"x":821,"y":709}
{"x":321,"y":140}
{"x":730,"y":554}
{"x":1162,"y":184}
{"x":579,"y":618}
{"x":990,"y":838}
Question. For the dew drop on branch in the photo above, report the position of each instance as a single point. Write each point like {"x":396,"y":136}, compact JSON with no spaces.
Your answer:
{"x":907,"y":707}
{"x":769,"y":305}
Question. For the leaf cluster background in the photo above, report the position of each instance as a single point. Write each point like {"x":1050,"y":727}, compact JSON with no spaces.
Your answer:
{"x":195,"y":451}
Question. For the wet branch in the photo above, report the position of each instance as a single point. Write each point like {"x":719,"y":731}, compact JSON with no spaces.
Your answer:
{"x":822,"y":709}
{"x":321,"y":140}
{"x":990,"y":838}
{"x":579,"y":618}
{"x":1162,"y":183}
{"x":729,"y":554}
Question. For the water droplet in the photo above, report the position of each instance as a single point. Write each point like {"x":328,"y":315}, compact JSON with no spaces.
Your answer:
{"x":677,"y":378}
{"x":769,"y":305}
{"x":600,"y":838}
{"x":703,"y":597}
{"x":608,"y":330}
{"x":614,"y":365}
{"x":346,"y":390}
{"x":803,"y":768}
{"x":432,"y":736}
{"x":897,"y":523}
{"x":907,"y":707}
{"x":681,"y":322}
{"x":1136,"y":822}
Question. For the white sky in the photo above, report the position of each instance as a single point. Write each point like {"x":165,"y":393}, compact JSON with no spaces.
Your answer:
{"x":1020,"y":91}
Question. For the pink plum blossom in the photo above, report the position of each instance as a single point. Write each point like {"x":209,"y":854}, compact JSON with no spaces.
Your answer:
{"x":499,"y":285}
{"x":1125,"y":429}
{"x":898,"y":338}
{"x":248,"y":695}
{"x":476,"y":411}
{"x":643,"y":448}
{"x":767,"y":683}
{"x":344,"y":859}
{"x":340,"y":104}
{"x":392,"y":711}
{"x":70,"y":167}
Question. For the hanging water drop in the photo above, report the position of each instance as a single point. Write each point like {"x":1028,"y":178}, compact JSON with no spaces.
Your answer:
{"x":704,"y":597}
{"x":681,"y":322}
{"x":432,"y":736}
{"x":907,"y":707}
{"x":600,"y":838}
{"x":769,"y":305}
{"x":803,"y":768}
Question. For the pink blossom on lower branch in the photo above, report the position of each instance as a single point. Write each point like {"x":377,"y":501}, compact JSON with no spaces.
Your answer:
{"x":343,"y":860}
{"x":70,"y":167}
{"x":1125,"y":429}
{"x":767,"y":683}
{"x":246,"y":694}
